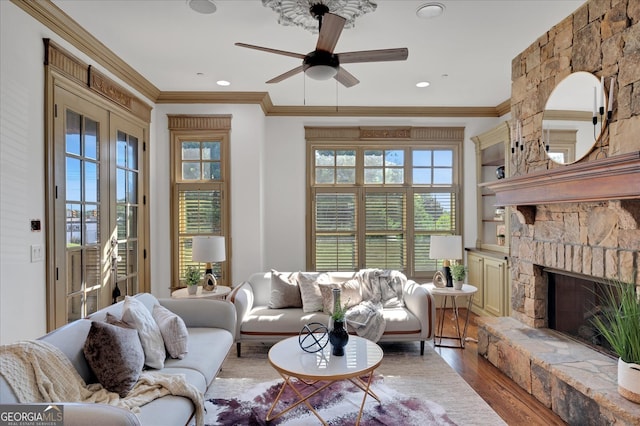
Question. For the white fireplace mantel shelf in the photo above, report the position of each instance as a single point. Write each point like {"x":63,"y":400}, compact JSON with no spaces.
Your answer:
{"x":612,"y":178}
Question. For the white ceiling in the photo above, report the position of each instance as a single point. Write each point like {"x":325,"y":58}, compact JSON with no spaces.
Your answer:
{"x":466,"y":53}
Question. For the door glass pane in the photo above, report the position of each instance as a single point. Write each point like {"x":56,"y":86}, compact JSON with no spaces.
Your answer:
{"x":132,"y":222}
{"x":75,"y":307}
{"x":121,"y":186}
{"x":92,"y":256}
{"x":72,"y":136}
{"x":132,"y":190}
{"x":121,"y":150}
{"x":74,"y":271}
{"x":91,"y":139}
{"x":73,"y":182}
{"x":74,"y":225}
{"x":90,"y":182}
{"x":91,"y":220}
{"x":121,"y":221}
{"x":132,"y":153}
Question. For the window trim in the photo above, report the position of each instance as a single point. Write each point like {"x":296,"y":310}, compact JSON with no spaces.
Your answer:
{"x":365,"y":138}
{"x":199,"y":128}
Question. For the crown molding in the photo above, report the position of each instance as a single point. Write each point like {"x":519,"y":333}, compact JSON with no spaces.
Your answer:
{"x":60,"y":23}
{"x":48,"y":14}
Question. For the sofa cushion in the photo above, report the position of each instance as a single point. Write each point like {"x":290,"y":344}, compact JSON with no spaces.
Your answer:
{"x":208,"y":348}
{"x":136,"y":314}
{"x":115,"y":355}
{"x":285,"y":292}
{"x":350,"y":294}
{"x":400,"y":321}
{"x":310,"y":290}
{"x":278,"y":322}
{"x":174,"y":331}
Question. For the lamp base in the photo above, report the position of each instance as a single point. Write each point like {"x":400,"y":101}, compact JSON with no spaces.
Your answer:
{"x":209,"y":282}
{"x":447,"y":273}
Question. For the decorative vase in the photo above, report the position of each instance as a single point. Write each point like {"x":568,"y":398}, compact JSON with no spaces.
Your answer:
{"x":192,"y":289}
{"x":338,"y":337}
{"x":458,"y":284}
{"x":629,"y":380}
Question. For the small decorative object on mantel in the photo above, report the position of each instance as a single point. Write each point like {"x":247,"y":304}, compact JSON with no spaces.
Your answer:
{"x":338,"y":336}
{"x":500,"y":172}
{"x":313,"y":337}
{"x":500,"y":239}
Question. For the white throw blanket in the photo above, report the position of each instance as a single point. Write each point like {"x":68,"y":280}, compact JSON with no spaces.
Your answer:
{"x":39,"y":372}
{"x":380,"y":289}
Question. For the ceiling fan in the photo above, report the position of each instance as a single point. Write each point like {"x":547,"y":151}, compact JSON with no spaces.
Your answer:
{"x":322,"y":63}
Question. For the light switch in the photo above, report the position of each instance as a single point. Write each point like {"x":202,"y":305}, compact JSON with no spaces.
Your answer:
{"x":37,"y":254}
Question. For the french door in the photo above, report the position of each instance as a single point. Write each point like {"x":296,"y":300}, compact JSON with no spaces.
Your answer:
{"x":97,"y":249}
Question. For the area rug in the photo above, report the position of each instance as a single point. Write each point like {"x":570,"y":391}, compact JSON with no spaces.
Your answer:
{"x":338,"y":404}
{"x":403,"y":370}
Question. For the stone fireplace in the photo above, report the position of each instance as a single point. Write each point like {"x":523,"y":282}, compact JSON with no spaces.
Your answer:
{"x":580,"y":220}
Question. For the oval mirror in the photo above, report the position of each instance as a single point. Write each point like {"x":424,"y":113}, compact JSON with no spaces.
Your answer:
{"x":567,"y":122}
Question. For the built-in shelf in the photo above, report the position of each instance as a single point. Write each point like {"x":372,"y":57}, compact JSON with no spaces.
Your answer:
{"x":612,"y":178}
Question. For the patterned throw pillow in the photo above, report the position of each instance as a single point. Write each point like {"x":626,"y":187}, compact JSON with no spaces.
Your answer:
{"x":310,"y":290}
{"x":174,"y":331}
{"x":285,"y":292}
{"x":136,"y":315}
{"x":350,"y":294}
{"x":115,"y":355}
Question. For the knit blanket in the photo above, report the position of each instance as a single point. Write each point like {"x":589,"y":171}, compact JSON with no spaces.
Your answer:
{"x":39,"y":372}
{"x":380,"y":289}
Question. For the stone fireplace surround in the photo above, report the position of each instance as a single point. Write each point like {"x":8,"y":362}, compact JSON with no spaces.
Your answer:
{"x":595,"y":233}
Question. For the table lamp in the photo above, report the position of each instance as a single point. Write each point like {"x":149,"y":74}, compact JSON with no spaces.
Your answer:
{"x":446,"y":247}
{"x":208,"y":249}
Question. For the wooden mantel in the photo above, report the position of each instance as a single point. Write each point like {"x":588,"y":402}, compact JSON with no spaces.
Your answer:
{"x":612,"y":178}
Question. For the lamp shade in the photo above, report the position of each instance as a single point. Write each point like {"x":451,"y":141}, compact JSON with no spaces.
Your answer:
{"x":446,"y":247}
{"x":208,"y":249}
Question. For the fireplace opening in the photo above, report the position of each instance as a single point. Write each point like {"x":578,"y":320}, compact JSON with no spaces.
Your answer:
{"x":574,"y":300}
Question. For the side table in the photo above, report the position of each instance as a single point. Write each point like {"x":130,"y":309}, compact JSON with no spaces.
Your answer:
{"x":219,"y":293}
{"x":449,"y":294}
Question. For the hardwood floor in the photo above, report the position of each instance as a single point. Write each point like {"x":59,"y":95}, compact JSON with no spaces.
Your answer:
{"x":510,"y":401}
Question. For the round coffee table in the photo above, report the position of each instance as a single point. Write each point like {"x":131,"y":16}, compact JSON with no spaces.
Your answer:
{"x":300,"y":369}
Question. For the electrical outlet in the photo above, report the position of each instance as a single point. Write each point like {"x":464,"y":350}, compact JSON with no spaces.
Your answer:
{"x":37,"y":254}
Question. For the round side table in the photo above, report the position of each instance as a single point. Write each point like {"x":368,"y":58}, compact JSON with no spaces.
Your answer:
{"x":219,"y":293}
{"x":449,"y":294}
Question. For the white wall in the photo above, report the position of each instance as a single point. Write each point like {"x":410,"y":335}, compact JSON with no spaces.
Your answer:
{"x":267,"y":179}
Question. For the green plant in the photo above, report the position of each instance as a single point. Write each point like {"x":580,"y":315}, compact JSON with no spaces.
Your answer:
{"x":458,"y":272}
{"x":192,"y":276}
{"x":338,"y":309}
{"x":619,"y":322}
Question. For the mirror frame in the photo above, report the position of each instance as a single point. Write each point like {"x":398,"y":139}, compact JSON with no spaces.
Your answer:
{"x":570,"y":107}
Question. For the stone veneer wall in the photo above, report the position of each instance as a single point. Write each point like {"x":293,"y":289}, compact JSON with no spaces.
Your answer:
{"x":599,"y":239}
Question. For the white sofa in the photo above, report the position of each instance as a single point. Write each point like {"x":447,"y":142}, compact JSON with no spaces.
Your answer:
{"x":210,"y":323}
{"x":257,"y":322}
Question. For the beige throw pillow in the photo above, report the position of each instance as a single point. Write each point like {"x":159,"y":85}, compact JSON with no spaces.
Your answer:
{"x":350,"y":294}
{"x":174,"y":331}
{"x":136,"y":315}
{"x":115,"y":355}
{"x":310,"y":290}
{"x":285,"y":292}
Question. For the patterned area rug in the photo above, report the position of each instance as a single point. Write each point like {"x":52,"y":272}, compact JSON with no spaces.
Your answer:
{"x":337,"y":405}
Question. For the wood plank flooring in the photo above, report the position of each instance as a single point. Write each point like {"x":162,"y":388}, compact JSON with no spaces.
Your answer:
{"x":510,"y":401}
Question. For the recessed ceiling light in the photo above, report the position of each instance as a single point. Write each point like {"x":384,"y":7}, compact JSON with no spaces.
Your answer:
{"x":422,"y":84}
{"x":205,"y":7}
{"x":430,"y":10}
{"x":223,"y":83}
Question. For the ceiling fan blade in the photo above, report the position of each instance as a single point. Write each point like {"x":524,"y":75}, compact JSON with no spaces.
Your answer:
{"x":276,"y":51}
{"x":379,"y":55}
{"x":330,"y":31}
{"x":346,"y":78}
{"x":285,"y":75}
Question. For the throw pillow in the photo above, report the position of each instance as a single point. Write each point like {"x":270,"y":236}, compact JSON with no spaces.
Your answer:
{"x":310,"y":290}
{"x":285,"y":292}
{"x":115,"y":355}
{"x":174,"y":331}
{"x":350,"y":294}
{"x":136,"y":315}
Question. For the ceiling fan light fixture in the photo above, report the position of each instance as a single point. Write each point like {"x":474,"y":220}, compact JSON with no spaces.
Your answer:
{"x":205,"y":7}
{"x":321,"y":72}
{"x":430,"y":10}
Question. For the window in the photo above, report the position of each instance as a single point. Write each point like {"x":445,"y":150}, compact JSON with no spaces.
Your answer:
{"x":199,"y":184}
{"x":375,"y":202}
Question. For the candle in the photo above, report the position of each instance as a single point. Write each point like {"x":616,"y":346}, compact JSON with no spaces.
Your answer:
{"x":595,"y":102}
{"x":601,"y":94}
{"x":548,"y":136}
{"x":519,"y":133}
{"x":611,"y":84}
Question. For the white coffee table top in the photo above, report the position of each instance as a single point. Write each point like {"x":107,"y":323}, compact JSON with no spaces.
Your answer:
{"x":360,"y":357}
{"x":466,"y":290}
